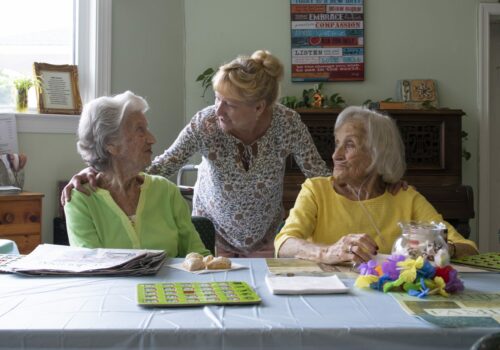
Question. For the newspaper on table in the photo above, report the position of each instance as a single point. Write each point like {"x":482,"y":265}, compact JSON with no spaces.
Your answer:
{"x":49,"y":259}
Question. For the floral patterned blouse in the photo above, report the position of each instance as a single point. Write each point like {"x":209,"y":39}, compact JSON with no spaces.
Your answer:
{"x":240,"y":186}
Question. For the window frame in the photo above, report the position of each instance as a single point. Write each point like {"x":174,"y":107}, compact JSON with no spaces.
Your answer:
{"x":93,"y":57}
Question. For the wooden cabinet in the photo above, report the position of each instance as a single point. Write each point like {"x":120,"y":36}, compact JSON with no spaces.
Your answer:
{"x":433,"y":149}
{"x":21,"y":219}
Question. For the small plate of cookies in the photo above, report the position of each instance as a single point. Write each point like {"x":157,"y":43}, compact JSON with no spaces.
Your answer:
{"x":198,"y":264}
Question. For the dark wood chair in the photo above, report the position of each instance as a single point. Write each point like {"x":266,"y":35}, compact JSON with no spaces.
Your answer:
{"x":488,"y":342}
{"x":206,"y":230}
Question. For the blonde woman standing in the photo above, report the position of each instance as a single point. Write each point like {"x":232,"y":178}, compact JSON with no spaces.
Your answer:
{"x":244,"y":139}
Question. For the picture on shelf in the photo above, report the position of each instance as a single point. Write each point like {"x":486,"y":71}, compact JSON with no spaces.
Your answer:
{"x":418,"y":90}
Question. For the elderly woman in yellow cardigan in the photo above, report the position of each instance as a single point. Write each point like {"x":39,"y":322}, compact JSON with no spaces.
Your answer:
{"x":350,"y":216}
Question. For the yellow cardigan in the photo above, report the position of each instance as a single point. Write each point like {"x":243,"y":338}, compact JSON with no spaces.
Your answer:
{"x":321,"y":215}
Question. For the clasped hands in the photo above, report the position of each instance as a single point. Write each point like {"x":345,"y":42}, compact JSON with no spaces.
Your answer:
{"x":355,"y":247}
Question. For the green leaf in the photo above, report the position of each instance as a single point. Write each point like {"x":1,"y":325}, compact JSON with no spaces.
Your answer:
{"x":209,"y":71}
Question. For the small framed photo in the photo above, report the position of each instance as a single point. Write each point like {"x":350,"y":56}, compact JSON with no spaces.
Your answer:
{"x":423,"y":91}
{"x":58,"y":92}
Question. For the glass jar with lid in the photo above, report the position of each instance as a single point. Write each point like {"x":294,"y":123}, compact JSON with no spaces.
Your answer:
{"x":425,"y":239}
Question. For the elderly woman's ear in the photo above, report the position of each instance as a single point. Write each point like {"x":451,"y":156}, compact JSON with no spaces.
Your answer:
{"x":112,"y":149}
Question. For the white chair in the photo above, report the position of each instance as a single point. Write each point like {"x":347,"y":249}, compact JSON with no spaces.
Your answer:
{"x":186,"y":191}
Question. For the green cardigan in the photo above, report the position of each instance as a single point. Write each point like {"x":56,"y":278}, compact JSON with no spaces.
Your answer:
{"x":162,"y":220}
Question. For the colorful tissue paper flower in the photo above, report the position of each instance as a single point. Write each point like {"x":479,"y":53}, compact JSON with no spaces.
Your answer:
{"x":379,"y":285}
{"x":364,"y":281}
{"x":437,"y":286}
{"x":389,"y":266}
{"x":444,"y":272}
{"x":418,"y":277}
{"x":368,"y":268}
{"x":427,"y":270}
{"x":393,"y":285}
{"x":421,"y":290}
{"x":409,"y":269}
{"x":454,"y":284}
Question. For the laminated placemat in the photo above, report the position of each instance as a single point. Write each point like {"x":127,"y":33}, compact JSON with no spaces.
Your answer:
{"x":173,"y":294}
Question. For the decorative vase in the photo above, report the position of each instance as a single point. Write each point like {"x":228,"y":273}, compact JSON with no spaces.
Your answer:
{"x":425,"y":239}
{"x":22,"y":100}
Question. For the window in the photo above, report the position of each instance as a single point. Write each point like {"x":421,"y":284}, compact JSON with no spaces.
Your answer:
{"x":32,"y":31}
{"x":57,"y":32}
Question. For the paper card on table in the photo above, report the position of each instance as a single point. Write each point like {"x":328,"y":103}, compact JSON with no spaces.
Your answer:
{"x":465,"y":309}
{"x":299,"y":267}
{"x":234,"y":266}
{"x":305,"y":284}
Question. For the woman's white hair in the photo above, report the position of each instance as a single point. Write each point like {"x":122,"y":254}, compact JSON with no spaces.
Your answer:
{"x":100,"y":124}
{"x":383,"y":141}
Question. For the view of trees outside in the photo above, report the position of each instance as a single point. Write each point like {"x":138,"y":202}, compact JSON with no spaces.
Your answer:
{"x":32,"y":31}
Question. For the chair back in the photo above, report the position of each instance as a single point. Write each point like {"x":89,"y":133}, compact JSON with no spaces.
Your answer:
{"x":186,"y":191}
{"x":488,"y":342}
{"x":206,"y":230}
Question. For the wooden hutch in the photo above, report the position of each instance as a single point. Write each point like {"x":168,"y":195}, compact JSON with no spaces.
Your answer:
{"x":433,"y":147}
{"x":21,"y":219}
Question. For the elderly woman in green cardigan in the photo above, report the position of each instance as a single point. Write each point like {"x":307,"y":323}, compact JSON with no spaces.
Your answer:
{"x":130,"y":209}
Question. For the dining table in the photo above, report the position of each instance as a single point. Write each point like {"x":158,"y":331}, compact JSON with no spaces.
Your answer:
{"x":102,"y":312}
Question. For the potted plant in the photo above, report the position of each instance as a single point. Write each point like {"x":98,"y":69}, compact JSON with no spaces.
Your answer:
{"x":206,"y":79}
{"x":22,"y":85}
{"x":314,"y":98}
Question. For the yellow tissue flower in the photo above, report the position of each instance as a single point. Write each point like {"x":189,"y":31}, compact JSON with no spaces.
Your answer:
{"x":409,"y":269}
{"x":364,"y":281}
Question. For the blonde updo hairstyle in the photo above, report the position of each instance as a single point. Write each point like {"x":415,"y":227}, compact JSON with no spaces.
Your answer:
{"x":100,"y":125}
{"x":250,"y":79}
{"x":382,"y":140}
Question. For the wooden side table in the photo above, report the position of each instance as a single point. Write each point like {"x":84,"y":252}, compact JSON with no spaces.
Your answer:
{"x":21,"y":219}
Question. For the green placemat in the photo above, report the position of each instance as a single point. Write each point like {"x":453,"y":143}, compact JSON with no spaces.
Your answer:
{"x":489,"y":261}
{"x":171,"y":294}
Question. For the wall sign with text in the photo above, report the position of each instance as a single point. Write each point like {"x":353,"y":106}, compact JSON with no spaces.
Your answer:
{"x":327,"y":40}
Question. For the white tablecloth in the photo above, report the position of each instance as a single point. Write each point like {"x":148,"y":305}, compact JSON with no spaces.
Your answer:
{"x":101,"y":312}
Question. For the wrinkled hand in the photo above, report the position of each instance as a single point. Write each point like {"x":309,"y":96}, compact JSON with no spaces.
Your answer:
{"x":354,"y":247}
{"x":396,"y":187}
{"x":87,"y":175}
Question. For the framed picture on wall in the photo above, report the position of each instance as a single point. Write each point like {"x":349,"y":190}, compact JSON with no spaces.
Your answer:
{"x":58,"y":93}
{"x":327,"y":40}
